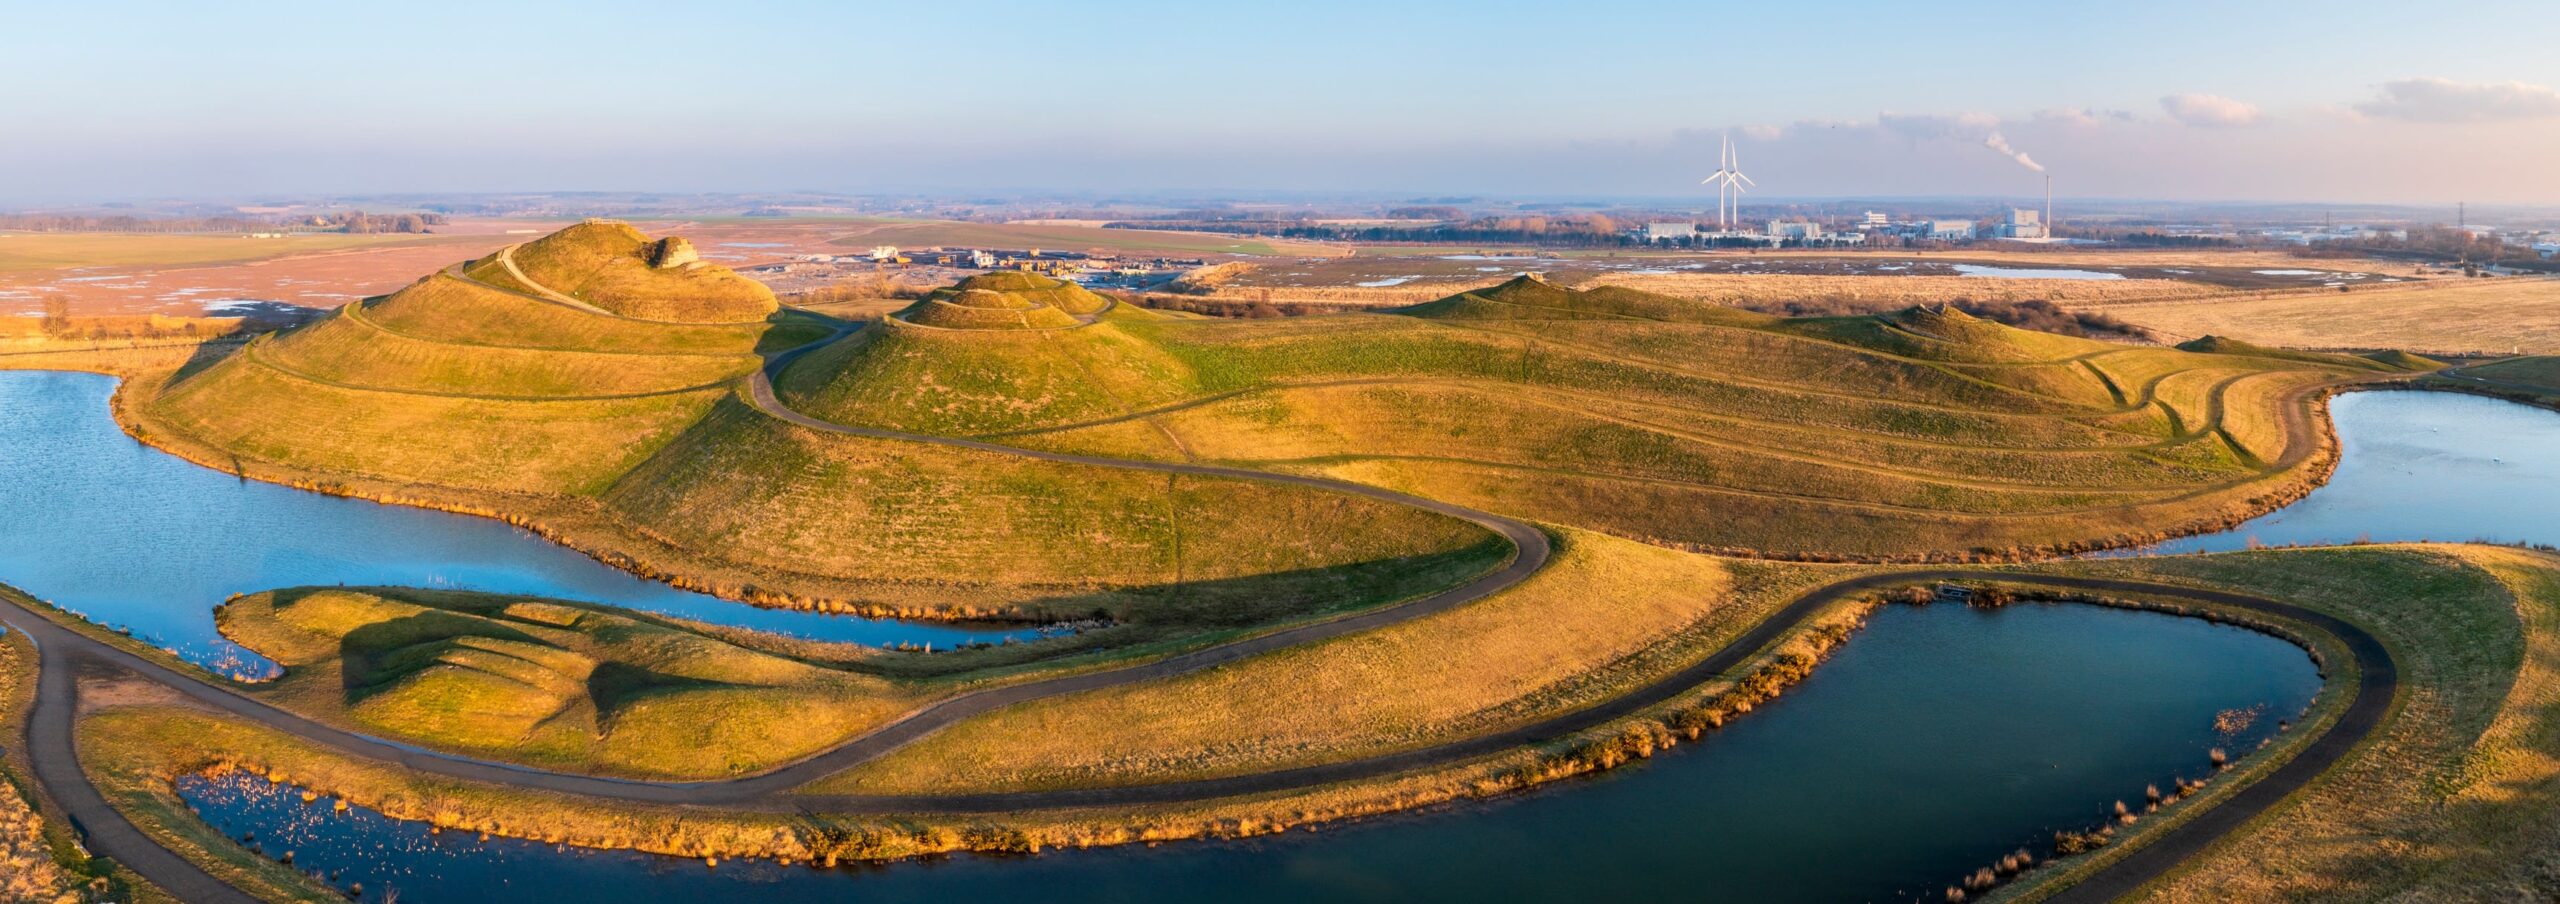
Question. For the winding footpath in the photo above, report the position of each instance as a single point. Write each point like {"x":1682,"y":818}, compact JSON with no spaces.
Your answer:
{"x":67,"y":654}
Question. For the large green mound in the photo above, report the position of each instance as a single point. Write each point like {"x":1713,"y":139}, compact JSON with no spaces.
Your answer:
{"x":549,"y":681}
{"x":620,"y":270}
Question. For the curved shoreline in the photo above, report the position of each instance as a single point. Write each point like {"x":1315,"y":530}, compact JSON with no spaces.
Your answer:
{"x":66,"y":652}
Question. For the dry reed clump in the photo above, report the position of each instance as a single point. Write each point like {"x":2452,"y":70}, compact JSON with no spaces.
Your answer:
{"x":27,"y":870}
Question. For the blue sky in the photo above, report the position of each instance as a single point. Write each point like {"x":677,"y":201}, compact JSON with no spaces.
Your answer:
{"x":2339,"y":101}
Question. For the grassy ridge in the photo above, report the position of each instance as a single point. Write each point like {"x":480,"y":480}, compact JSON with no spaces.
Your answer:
{"x":445,"y":308}
{"x":255,"y":411}
{"x":1577,"y":632}
{"x":547,"y":682}
{"x":1922,"y":433}
{"x":1076,"y":538}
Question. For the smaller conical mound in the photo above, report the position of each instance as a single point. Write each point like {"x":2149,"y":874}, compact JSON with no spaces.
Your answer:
{"x":935,"y":312}
{"x":1032,"y":290}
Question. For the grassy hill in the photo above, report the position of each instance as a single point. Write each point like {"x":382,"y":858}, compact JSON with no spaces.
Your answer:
{"x":1921,"y":433}
{"x":456,"y":382}
{"x":627,"y":438}
{"x":616,"y":268}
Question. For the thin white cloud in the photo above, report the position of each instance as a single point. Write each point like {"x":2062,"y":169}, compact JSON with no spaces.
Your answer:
{"x":2067,"y":116}
{"x":2212,"y":111}
{"x":2446,"y":100}
{"x":1927,"y":126}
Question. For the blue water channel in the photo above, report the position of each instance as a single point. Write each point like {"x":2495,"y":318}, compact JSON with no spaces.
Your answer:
{"x":1934,"y":742}
{"x":130,"y":536}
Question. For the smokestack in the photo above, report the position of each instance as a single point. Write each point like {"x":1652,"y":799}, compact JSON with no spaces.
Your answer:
{"x":2048,"y":206}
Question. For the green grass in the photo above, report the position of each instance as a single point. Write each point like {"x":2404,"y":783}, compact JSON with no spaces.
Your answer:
{"x":2532,"y":370}
{"x":1044,"y":537}
{"x":550,"y":682}
{"x":1924,"y":432}
{"x":967,"y":383}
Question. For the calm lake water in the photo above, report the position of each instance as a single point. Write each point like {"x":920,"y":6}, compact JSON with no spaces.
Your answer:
{"x":131,"y":536}
{"x":1936,"y":741}
{"x":2422,"y":466}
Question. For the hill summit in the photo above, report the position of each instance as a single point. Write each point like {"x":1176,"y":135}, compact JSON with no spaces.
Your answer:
{"x":614,"y":268}
{"x":1006,"y":301}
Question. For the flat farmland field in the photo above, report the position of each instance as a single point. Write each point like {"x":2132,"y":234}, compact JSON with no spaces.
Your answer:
{"x":1056,"y":237}
{"x":2501,"y":315}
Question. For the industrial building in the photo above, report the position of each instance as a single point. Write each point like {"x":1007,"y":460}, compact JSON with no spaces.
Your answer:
{"x":2023,"y":223}
{"x":1655,"y":233}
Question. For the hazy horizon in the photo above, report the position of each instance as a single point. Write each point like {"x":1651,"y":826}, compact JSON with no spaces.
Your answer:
{"x":2355,"y":103}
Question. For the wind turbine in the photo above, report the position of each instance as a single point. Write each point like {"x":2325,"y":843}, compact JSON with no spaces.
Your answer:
{"x":1728,"y":180}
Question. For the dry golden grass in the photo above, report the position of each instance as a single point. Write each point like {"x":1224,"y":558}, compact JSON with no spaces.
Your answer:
{"x":2496,"y":316}
{"x":1738,"y":289}
{"x":1576,"y":633}
{"x":252,"y":410}
{"x":443,"y":308}
{"x":23,"y":251}
{"x":348,"y":350}
{"x":607,"y":264}
{"x":1056,"y":237}
{"x":558,"y":684}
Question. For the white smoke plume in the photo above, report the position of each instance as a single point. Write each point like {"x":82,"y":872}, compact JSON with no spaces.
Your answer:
{"x":1996,"y":142}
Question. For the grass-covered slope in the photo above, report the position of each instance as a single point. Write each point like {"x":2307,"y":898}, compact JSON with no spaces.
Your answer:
{"x":616,"y":268}
{"x":988,"y":532}
{"x":454,"y":382}
{"x":550,"y":682}
{"x":2384,"y":362}
{"x":629,"y":438}
{"x":1921,"y":433}
{"x":1005,"y":301}
{"x":962,"y":383}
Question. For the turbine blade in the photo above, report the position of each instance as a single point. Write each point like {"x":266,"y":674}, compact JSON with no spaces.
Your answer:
{"x":1746,"y":179}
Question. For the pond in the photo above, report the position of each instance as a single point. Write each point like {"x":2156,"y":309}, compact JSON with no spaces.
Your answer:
{"x":134,"y":537}
{"x":1937,"y":740}
{"x":2421,"y":466}
{"x":2033,"y":272}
